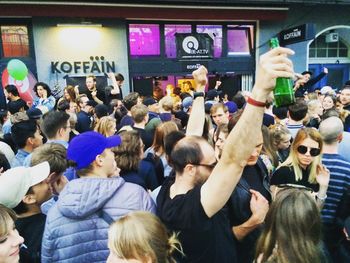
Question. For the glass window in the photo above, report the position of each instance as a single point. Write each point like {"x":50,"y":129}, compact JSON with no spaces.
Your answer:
{"x":312,"y":53}
{"x":15,"y":42}
{"x":321,"y":52}
{"x":238,"y":39}
{"x":343,"y":53}
{"x":170,"y":39}
{"x":215,"y":32}
{"x":144,"y":40}
{"x":332,"y":52}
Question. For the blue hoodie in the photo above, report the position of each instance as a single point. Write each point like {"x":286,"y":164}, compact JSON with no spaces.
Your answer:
{"x":74,"y":232}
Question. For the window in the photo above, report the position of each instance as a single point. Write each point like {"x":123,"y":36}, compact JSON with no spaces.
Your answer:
{"x":144,"y":40}
{"x":15,"y":42}
{"x":215,"y":32}
{"x":170,"y":39}
{"x":239,"y":39}
{"x":319,"y":48}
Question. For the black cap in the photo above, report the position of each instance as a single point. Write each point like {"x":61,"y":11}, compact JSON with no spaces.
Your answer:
{"x":101,"y":110}
{"x":307,"y":72}
{"x":149,"y":101}
{"x":91,"y":103}
{"x":15,"y":106}
{"x":211,"y":94}
{"x":34,"y":113}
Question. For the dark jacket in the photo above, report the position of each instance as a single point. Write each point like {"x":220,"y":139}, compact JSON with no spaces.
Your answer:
{"x":83,"y":122}
{"x":239,"y":212}
{"x":309,"y":86}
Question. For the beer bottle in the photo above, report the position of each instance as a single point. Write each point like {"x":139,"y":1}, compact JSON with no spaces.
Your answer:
{"x":283,"y":92}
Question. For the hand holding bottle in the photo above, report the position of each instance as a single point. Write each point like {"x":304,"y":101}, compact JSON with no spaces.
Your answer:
{"x":273,"y":64}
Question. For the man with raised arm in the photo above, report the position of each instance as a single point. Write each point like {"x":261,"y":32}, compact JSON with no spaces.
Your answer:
{"x":191,"y":202}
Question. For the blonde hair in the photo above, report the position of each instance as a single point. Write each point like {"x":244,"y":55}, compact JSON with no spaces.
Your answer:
{"x":142,"y":236}
{"x":105,"y":125}
{"x":6,"y":215}
{"x":166,"y":103}
{"x":292,"y":159}
{"x":277,"y":133}
{"x":312,"y":107}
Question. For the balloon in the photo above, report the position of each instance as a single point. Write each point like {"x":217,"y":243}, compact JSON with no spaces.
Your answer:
{"x":17,"y":69}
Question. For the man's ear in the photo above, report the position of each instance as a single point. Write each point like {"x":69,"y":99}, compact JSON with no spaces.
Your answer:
{"x":190,"y":169}
{"x":30,"y":140}
{"x":340,"y":137}
{"x":99,"y":160}
{"x":29,"y":199}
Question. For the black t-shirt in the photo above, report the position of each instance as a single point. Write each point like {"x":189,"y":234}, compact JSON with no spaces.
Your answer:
{"x":100,"y":93}
{"x":203,"y":239}
{"x":285,"y":175}
{"x":268,"y":120}
{"x":31,"y":228}
{"x":252,"y":175}
{"x":110,"y":97}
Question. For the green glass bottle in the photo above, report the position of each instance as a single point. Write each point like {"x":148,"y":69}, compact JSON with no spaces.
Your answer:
{"x":283,"y":92}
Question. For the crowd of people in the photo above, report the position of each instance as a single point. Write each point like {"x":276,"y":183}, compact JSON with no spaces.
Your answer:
{"x":181,"y":176}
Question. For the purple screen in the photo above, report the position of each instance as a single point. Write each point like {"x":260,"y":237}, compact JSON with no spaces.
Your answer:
{"x":170,"y":40}
{"x":237,"y":40}
{"x":215,"y":32}
{"x":144,"y":40}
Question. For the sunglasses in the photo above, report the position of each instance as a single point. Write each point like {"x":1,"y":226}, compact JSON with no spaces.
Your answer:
{"x":295,"y":186}
{"x":211,"y":166}
{"x":313,"y":151}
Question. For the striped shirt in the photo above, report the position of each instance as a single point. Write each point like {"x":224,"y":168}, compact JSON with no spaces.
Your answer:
{"x":294,"y":128}
{"x":338,"y":184}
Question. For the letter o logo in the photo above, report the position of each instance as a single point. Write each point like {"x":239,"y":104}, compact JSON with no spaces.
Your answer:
{"x":189,"y":44}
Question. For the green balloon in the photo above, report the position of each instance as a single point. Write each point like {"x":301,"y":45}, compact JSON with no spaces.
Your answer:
{"x":17,"y":69}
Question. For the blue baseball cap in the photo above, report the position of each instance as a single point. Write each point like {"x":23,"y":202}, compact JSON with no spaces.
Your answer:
{"x":84,"y":148}
{"x":231,"y":106}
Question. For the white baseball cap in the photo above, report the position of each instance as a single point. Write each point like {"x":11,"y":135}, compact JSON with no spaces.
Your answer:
{"x":15,"y":182}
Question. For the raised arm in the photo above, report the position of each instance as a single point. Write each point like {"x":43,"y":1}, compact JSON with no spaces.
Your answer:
{"x":242,"y":139}
{"x":196,"y":120}
{"x":116,"y":89}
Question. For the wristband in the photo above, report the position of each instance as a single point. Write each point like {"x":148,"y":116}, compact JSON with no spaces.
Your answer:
{"x":198,"y":94}
{"x":256,"y":103}
{"x":321,"y":198}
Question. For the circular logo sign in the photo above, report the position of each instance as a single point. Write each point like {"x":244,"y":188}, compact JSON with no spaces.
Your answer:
{"x":190,"y":44}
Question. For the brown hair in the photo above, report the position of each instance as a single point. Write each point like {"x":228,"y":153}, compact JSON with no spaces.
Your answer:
{"x":91,"y":76}
{"x":55,"y":154}
{"x":139,"y":112}
{"x":267,"y":147}
{"x":141,"y":235}
{"x":128,"y":153}
{"x":292,"y":230}
{"x":71,"y":92}
{"x":162,"y":130}
{"x":6,"y":214}
{"x":217,"y":106}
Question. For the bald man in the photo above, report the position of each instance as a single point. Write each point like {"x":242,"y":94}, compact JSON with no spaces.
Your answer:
{"x":331,"y":130}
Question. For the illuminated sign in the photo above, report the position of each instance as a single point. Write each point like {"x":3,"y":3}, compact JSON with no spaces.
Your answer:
{"x":196,"y":46}
{"x":93,"y":65}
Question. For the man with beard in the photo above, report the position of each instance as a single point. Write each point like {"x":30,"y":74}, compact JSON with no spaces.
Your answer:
{"x":191,"y":202}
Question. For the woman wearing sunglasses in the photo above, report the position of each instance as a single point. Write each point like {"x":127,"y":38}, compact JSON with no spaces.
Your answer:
{"x":303,"y":165}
